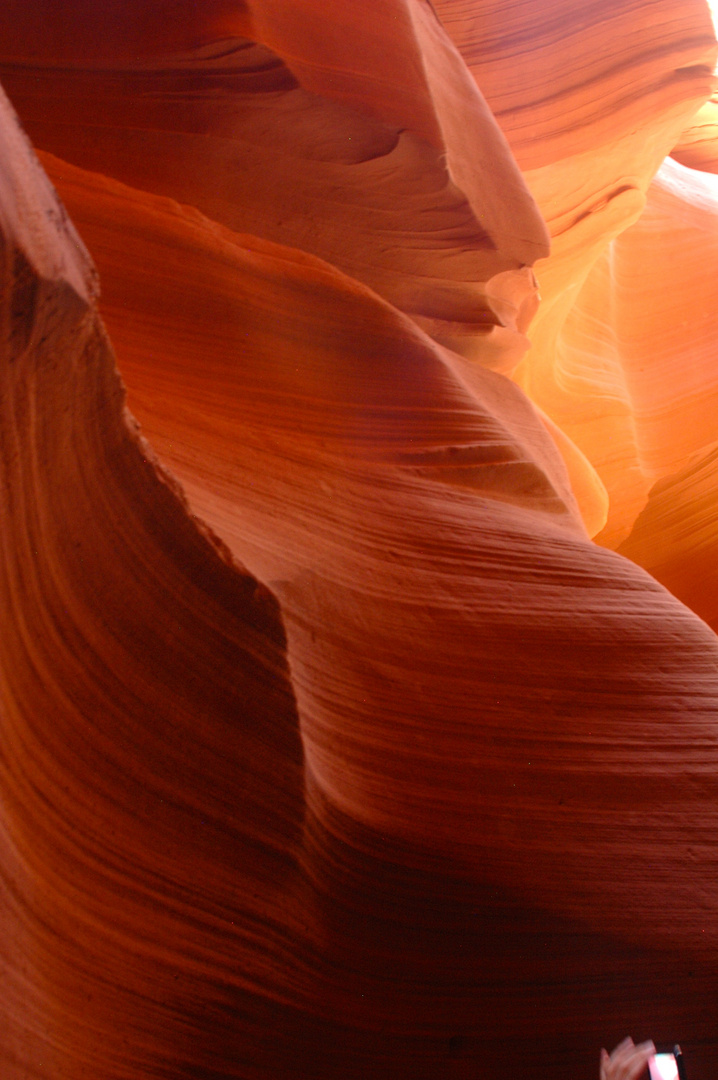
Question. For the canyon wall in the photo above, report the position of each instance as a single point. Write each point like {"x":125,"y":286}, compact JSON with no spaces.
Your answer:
{"x":358,"y":714}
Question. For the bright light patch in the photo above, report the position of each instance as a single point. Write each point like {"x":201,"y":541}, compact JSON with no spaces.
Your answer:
{"x":663,"y":1067}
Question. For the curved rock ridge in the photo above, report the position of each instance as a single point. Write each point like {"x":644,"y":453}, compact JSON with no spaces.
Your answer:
{"x":261,"y":154}
{"x":698,"y":145}
{"x":592,"y":75}
{"x":676,"y":535}
{"x":397,"y":416}
{"x":267,"y":447}
{"x":409,"y":76}
{"x":633,"y":379}
{"x":325,"y":168}
{"x":258,"y":153}
{"x":458,"y":806}
{"x":330,"y":746}
{"x":667,"y":331}
{"x":149,"y":733}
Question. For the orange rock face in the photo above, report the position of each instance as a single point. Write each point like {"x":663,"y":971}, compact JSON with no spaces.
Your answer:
{"x":331,"y":744}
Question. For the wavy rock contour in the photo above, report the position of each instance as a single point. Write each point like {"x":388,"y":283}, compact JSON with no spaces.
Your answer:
{"x":331,"y":745}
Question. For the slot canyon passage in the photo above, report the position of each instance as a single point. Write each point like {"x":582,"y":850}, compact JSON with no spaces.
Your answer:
{"x":359,"y":542}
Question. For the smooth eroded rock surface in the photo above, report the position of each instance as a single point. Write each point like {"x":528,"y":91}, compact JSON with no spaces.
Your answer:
{"x":330,"y":744}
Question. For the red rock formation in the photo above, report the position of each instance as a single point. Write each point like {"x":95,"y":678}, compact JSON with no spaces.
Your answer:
{"x":697,"y":145}
{"x":637,"y":355}
{"x":340,"y":750}
{"x":675,"y":536}
{"x":590,"y":175}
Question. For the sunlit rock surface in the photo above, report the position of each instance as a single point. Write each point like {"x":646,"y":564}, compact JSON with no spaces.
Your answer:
{"x":675,"y":535}
{"x":698,"y":144}
{"x":331,"y":746}
{"x":637,"y":355}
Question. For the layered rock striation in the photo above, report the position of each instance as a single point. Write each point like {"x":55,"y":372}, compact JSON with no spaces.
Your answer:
{"x":332,"y":745}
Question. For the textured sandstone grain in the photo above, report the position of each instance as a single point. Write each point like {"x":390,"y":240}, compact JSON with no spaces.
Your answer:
{"x":330,"y":745}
